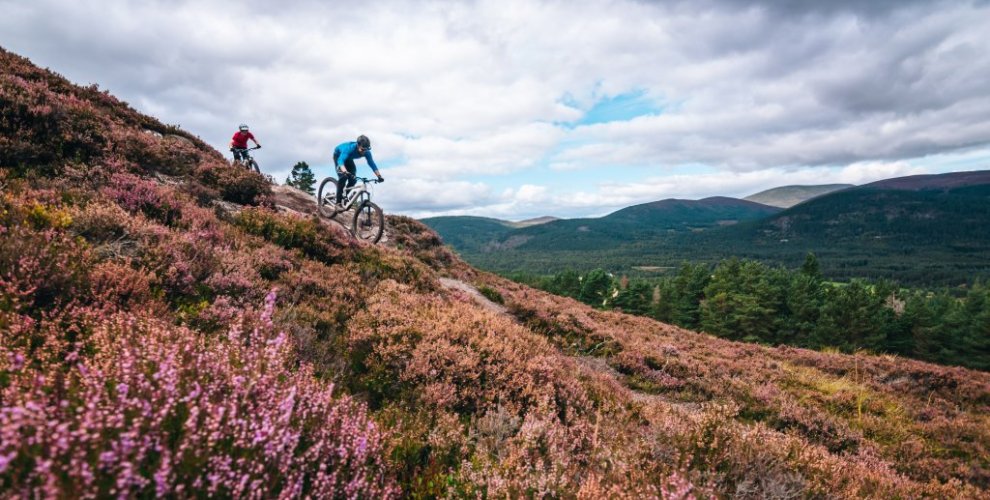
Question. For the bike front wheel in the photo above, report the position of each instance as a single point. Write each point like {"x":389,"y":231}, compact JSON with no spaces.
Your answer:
{"x":369,"y":222}
{"x":253,"y":165}
{"x":326,"y":198}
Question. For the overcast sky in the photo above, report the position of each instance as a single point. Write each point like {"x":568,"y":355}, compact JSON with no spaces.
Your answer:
{"x":515,"y":109}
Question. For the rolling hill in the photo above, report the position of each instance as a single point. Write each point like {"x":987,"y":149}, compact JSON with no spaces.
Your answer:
{"x":788,"y":196}
{"x":473,"y":235}
{"x":171,"y":326}
{"x":918,"y":230}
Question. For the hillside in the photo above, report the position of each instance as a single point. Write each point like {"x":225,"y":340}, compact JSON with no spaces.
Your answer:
{"x":913,"y":229}
{"x":167,"y":330}
{"x":917,"y":230}
{"x":688,"y":215}
{"x":472,"y":235}
{"x":531,"y":222}
{"x":934,"y":182}
{"x":788,"y":196}
{"x":462,"y":231}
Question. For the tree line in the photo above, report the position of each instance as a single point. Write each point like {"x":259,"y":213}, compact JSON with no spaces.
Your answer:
{"x":750,"y":301}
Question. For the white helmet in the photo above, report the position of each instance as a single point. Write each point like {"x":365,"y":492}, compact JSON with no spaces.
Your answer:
{"x":243,"y":127}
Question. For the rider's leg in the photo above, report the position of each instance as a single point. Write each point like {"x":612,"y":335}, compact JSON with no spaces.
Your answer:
{"x":237,"y":155}
{"x":347,"y":179}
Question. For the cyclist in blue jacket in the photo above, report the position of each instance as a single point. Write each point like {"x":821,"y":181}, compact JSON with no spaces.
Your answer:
{"x":343,"y":158}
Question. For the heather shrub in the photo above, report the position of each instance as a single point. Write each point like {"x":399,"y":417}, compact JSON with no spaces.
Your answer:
{"x":565,"y":331}
{"x":306,"y":234}
{"x":412,"y":351}
{"x":421,"y":242}
{"x":158,"y":154}
{"x":157,"y":410}
{"x":119,"y":286}
{"x":144,"y":196}
{"x":40,"y":269}
{"x":272,"y":262}
{"x":321,"y":299}
{"x":204,"y":196}
{"x":235,"y":183}
{"x":99,"y":222}
{"x":41,"y":130}
{"x":182,"y":263}
{"x":491,"y":294}
{"x":376,"y":264}
{"x":400,"y":344}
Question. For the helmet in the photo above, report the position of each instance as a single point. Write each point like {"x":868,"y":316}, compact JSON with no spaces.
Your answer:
{"x":364,"y":142}
{"x":243,"y":127}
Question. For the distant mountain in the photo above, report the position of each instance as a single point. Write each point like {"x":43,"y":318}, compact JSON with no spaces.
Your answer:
{"x":532,"y":222}
{"x":933,"y":182}
{"x":944,"y":209}
{"x":788,"y":196}
{"x":918,"y":230}
{"x":690,"y":214}
{"x":468,"y":232}
{"x":479,"y":235}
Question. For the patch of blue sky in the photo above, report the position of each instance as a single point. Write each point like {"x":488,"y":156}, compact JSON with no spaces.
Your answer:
{"x":620,"y":107}
{"x":972,"y":159}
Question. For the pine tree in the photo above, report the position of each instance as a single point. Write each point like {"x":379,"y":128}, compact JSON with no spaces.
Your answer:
{"x":301,"y":178}
{"x":595,"y":288}
{"x":634,"y":298}
{"x":688,"y":292}
{"x":810,"y":267}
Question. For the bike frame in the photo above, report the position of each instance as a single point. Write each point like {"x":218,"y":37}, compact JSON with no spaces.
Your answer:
{"x":246,"y":152}
{"x":352,"y":194}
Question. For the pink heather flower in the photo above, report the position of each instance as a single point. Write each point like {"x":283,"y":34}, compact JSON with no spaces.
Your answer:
{"x":17,"y":361}
{"x":266,"y":314}
{"x":6,"y":459}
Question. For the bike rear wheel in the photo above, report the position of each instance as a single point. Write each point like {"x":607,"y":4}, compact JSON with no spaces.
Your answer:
{"x":369,"y":222}
{"x":326,"y":198}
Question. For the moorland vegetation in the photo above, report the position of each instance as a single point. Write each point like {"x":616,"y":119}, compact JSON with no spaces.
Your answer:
{"x":166,"y":329}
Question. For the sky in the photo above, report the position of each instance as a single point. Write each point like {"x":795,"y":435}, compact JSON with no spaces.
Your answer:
{"x":516,"y":109}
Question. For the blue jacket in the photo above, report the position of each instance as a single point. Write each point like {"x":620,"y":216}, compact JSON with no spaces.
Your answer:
{"x":349,"y":151}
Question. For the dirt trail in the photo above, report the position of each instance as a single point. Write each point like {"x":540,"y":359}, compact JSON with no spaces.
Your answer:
{"x":290,"y":199}
{"x":597,"y":364}
{"x":452,"y":284}
{"x":600,"y":365}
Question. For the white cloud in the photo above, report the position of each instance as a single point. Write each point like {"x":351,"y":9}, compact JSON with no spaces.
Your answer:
{"x":453,"y":94}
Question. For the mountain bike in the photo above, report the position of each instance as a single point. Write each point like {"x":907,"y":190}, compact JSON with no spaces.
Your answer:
{"x":247,"y":161}
{"x":369,"y":220}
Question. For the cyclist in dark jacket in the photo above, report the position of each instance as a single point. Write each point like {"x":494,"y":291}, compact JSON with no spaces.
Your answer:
{"x":343,"y":158}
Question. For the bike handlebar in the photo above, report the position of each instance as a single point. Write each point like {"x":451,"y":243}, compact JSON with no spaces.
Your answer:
{"x":364,"y":179}
{"x":247,"y":149}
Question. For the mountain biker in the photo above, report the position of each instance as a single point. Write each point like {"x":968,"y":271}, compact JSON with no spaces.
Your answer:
{"x":343,"y":158}
{"x":238,"y":143}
